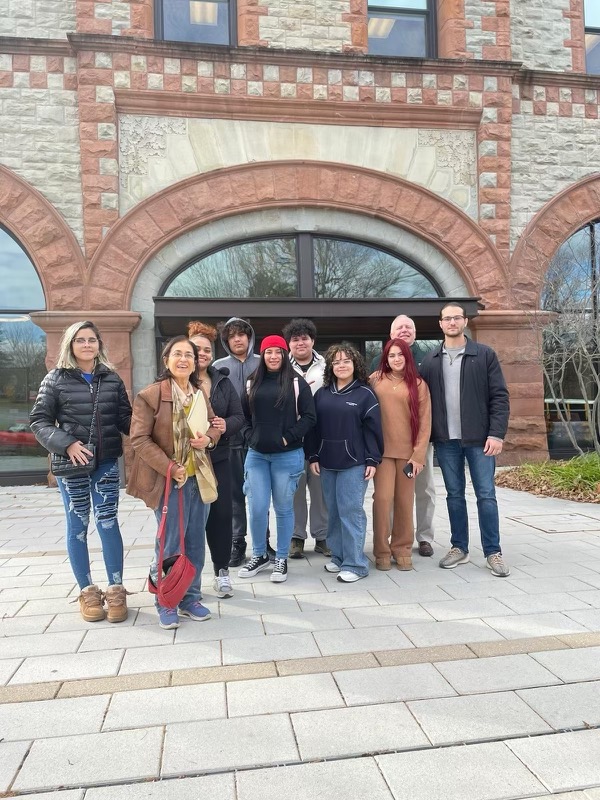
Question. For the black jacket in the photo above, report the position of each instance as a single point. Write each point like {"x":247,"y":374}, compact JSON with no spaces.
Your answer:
{"x":226,"y":404}
{"x":484,"y":404}
{"x":348,"y":431}
{"x":66,"y":398}
{"x":267,"y":426}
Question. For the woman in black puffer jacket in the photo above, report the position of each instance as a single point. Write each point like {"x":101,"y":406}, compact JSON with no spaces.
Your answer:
{"x":229,"y":420}
{"x":61,"y":419}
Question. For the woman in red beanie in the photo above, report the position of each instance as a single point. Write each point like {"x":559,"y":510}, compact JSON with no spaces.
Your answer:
{"x":279,"y":410}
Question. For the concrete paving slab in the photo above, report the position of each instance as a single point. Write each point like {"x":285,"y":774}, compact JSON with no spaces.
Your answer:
{"x":148,"y":707}
{"x":557,"y":760}
{"x":228,"y":628}
{"x":591,"y":597}
{"x":326,"y":619}
{"x":330,"y":600}
{"x":228,"y":744}
{"x":71,"y":666}
{"x":574,"y":706}
{"x":507,"y":647}
{"x":308,"y":666}
{"x":296,"y":586}
{"x":117,"y":683}
{"x":247,"y":605}
{"x":270,"y":648}
{"x":424,"y":655}
{"x":519,"y":626}
{"x":24,"y":593}
{"x":116,"y":637}
{"x":48,"y":718}
{"x":52,"y":605}
{"x":92,"y":759}
{"x":285,"y":694}
{"x":21,"y":626}
{"x":180,"y":656}
{"x":40,"y":644}
{"x":11,"y":758}
{"x":589,"y":617}
{"x":490,"y":588}
{"x":496,"y":674}
{"x":355,"y":731}
{"x":467,"y":609}
{"x":572,"y":665}
{"x":74,"y":622}
{"x":329,"y":781}
{"x":429,"y":634}
{"x":387,"y":615}
{"x":543,"y":603}
{"x":8,"y":667}
{"x":413,"y":594}
{"x":391,"y":684}
{"x":456,"y":773}
{"x":221,"y":786}
{"x":69,"y":794}
{"x":243,"y":672}
{"x":361,"y":640}
{"x":550,"y":585}
{"x":21,"y":581}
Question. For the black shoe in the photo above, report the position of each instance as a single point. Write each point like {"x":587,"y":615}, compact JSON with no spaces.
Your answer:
{"x":238,"y":554}
{"x":271,"y":553}
{"x":254,"y":566}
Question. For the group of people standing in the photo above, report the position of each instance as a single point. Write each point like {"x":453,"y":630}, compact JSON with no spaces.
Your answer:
{"x":250,"y":430}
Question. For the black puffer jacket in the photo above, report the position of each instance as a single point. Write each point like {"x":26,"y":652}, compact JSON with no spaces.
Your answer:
{"x":66,"y":398}
{"x":226,"y":404}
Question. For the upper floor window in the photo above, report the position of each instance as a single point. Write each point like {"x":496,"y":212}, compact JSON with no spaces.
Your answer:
{"x":202,"y":21}
{"x":401,"y":28}
{"x":592,"y":36}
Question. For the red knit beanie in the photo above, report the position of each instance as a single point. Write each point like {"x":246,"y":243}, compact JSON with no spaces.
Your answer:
{"x":273,"y":341}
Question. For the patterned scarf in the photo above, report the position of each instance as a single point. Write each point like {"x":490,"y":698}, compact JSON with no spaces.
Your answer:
{"x":205,"y":476}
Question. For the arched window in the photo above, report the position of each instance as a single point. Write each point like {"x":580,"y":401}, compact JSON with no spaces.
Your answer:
{"x":304,"y":265}
{"x":22,"y":359}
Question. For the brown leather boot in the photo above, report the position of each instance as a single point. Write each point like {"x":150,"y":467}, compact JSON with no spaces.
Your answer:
{"x":116,"y":603}
{"x":91,"y":604}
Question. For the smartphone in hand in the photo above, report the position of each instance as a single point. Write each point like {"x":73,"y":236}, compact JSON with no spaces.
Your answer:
{"x":408,"y":470}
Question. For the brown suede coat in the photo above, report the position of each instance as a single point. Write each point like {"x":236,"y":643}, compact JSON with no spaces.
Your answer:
{"x":151,"y":437}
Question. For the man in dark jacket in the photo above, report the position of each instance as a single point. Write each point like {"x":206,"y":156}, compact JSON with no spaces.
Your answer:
{"x":470,"y":409}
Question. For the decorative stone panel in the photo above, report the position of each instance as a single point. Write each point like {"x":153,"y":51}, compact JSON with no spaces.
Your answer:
{"x":116,"y":17}
{"x":488,"y":29}
{"x":541,"y":33}
{"x":39,"y":19}
{"x":39,"y":128}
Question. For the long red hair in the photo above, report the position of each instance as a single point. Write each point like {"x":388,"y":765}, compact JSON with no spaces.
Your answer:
{"x":411,"y":378}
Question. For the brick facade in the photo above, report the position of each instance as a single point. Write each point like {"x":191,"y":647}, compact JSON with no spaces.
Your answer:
{"x":528,"y":133}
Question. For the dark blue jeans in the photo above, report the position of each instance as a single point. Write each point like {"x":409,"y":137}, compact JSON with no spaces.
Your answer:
{"x":102,"y":489}
{"x":451,"y":457}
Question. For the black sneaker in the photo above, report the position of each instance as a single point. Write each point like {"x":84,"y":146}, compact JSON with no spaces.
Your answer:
{"x":238,"y":554}
{"x":271,"y":553}
{"x":279,"y":574}
{"x":254,"y":566}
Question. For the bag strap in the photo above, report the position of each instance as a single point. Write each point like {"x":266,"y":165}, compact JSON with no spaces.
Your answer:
{"x":296,"y":395}
{"x":163,"y":524}
{"x":95,"y":409}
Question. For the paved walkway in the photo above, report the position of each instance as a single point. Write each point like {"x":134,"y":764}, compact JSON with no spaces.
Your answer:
{"x":433,"y":684}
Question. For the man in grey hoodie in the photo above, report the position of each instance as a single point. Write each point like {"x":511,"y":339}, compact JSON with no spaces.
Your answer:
{"x":237,"y":338}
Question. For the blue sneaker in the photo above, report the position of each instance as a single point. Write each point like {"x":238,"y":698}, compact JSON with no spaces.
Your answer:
{"x":195,"y":611}
{"x":168,"y":618}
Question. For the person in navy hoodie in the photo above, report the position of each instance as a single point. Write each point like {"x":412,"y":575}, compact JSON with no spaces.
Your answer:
{"x":345,"y":449}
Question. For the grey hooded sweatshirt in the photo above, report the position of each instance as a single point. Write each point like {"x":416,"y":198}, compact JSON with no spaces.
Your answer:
{"x":239,"y":371}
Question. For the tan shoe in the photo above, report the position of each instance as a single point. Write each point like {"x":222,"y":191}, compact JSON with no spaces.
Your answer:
{"x":383,"y":564}
{"x":116,"y":603}
{"x":90,"y":604}
{"x":405,"y":564}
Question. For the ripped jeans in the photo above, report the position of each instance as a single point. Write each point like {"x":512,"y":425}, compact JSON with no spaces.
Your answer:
{"x":102,"y":489}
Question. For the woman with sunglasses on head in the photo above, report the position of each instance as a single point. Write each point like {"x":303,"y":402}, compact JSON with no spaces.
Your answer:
{"x":345,"y":450}
{"x":229,"y":420}
{"x":61,"y":420}
{"x":162,"y":440}
{"x":279,"y":410}
{"x":406,"y":416}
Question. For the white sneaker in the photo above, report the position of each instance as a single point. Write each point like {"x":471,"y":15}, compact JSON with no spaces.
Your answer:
{"x":222,"y":584}
{"x":346,"y":576}
{"x":331,"y":567}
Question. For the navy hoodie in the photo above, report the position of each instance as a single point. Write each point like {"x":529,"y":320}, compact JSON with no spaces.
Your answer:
{"x":348,"y":431}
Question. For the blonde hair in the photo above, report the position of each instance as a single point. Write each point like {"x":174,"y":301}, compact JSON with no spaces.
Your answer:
{"x":66,"y":359}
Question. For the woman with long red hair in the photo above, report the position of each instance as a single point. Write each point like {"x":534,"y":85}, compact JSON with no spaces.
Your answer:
{"x":406,"y":420}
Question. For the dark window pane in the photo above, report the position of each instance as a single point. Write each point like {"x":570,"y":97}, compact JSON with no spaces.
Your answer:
{"x":568,"y":281}
{"x":205,"y":21}
{"x":21,"y":287}
{"x":397,"y":34}
{"x":347,"y":269}
{"x":592,"y":53}
{"x":22,"y":367}
{"x":592,"y":13}
{"x":253,"y":269}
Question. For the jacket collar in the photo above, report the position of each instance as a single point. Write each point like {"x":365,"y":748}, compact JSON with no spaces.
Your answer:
{"x":470,"y":348}
{"x":316,"y":359}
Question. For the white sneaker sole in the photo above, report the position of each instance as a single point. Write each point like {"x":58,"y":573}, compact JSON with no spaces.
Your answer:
{"x":332,"y":568}
{"x":497,"y":574}
{"x":349,"y":577}
{"x":193,"y":616}
{"x":277,"y":577}
{"x":464,"y":560}
{"x":250,"y":574}
{"x":222,"y":595}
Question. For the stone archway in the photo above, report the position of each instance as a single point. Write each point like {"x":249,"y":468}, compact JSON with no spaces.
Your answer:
{"x":559,"y":219}
{"x":48,"y":240}
{"x":235,"y":190}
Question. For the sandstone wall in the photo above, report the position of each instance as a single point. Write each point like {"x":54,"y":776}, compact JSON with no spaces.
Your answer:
{"x":40,"y":19}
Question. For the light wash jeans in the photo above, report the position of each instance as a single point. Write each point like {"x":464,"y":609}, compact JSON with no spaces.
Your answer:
{"x":274,"y":475}
{"x":195,"y":514}
{"x":344,"y":493}
{"x":451,"y":457}
{"x":101,"y":489}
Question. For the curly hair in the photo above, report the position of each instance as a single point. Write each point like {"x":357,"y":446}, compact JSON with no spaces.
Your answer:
{"x":196,"y":328}
{"x":300,"y":327}
{"x":360,"y":368}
